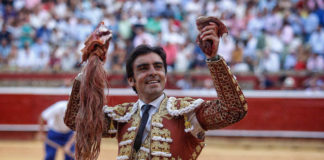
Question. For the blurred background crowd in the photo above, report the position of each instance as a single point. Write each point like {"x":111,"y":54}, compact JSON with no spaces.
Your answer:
{"x":265,"y":36}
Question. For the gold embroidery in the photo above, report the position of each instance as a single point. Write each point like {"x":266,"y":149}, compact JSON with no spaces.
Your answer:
{"x":160,"y":146}
{"x":143,"y":154}
{"x":155,"y":131}
{"x":165,"y":147}
{"x":181,"y":103}
{"x":130,"y":135}
{"x":147,"y":141}
{"x":194,"y":155}
{"x":136,"y":120}
{"x":163,"y":112}
{"x":187,"y":123}
{"x":164,"y":133}
{"x":241,"y":97}
{"x":156,"y":119}
{"x":125,"y":150}
{"x":112,"y":127}
{"x":120,"y":110}
{"x":245,"y":107}
{"x":155,"y":146}
{"x":184,"y":103}
{"x":198,"y":148}
{"x":230,"y":107}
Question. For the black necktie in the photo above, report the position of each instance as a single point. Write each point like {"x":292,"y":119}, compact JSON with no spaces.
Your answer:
{"x":138,"y":139}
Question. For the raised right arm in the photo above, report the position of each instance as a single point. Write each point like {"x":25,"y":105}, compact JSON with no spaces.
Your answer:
{"x":73,"y":105}
{"x":73,"y":108}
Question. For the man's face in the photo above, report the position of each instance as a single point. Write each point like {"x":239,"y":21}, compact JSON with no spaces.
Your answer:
{"x":149,"y":76}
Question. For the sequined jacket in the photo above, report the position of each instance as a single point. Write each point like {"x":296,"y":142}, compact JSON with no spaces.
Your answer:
{"x":170,"y":136}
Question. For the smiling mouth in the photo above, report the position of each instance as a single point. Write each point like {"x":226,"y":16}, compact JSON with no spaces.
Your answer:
{"x":153,"y":82}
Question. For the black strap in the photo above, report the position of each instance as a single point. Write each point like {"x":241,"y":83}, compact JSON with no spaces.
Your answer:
{"x":138,"y":139}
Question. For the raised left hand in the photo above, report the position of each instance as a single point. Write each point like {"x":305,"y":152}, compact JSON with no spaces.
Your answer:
{"x":209,"y":34}
{"x":211,"y":29}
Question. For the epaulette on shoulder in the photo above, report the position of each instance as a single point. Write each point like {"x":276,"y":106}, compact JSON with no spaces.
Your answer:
{"x":180,"y":106}
{"x":121,"y":112}
{"x":122,"y":109}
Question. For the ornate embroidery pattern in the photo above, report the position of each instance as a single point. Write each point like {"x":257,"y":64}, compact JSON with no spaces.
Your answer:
{"x":178,"y":107}
{"x":122,"y":113}
{"x":125,"y":146}
{"x":181,"y":106}
{"x":199,"y":148}
{"x":231,"y":106}
{"x":110,"y":129}
{"x":160,"y":137}
{"x":144,"y":151}
{"x":73,"y":106}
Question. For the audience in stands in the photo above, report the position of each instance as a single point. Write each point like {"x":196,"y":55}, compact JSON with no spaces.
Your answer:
{"x":264,"y":36}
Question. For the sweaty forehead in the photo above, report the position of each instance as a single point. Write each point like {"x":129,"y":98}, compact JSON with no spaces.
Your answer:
{"x":149,"y":58}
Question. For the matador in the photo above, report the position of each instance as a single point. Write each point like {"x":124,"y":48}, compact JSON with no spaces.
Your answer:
{"x":157,"y":126}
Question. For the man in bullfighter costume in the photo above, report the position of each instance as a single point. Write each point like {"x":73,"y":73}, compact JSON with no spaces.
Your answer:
{"x":155,"y":126}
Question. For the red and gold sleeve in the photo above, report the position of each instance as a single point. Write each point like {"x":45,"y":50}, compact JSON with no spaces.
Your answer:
{"x":73,"y":105}
{"x":73,"y":108}
{"x":230,"y":107}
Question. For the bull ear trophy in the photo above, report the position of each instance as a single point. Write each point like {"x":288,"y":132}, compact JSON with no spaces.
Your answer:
{"x":90,"y":119}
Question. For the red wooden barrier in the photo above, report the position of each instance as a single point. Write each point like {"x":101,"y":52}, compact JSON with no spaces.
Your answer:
{"x":267,"y":110}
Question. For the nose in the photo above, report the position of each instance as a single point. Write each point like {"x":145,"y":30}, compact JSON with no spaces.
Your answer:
{"x":152,"y":70}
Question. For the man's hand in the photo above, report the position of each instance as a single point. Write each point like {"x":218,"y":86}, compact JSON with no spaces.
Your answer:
{"x":40,"y":136}
{"x":209,"y":33}
{"x":210,"y":30}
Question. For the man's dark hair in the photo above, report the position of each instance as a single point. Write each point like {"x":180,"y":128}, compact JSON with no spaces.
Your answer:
{"x":142,"y":50}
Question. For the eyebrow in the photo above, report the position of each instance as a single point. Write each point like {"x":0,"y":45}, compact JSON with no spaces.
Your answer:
{"x":155,"y":63}
{"x":146,"y":64}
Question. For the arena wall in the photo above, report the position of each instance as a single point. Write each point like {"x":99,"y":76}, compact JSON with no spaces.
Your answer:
{"x":271,"y":113}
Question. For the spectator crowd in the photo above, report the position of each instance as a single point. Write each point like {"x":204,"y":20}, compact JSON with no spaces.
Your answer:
{"x":265,"y":36}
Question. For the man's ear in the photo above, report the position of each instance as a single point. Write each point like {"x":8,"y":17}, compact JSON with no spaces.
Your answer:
{"x":131,"y":81}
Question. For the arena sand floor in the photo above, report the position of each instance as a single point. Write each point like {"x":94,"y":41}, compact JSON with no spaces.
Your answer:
{"x":215,"y":149}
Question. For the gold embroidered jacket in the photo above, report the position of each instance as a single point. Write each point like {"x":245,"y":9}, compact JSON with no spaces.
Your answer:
{"x":170,"y":136}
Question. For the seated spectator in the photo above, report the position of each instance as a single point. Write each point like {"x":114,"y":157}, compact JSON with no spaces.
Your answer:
{"x":315,"y":63}
{"x":4,"y":51}
{"x":226,"y":47}
{"x":290,"y":61}
{"x":142,"y":37}
{"x":40,"y":47}
{"x":171,"y":51}
{"x":269,"y":62}
{"x":117,"y":57}
{"x":27,"y":58}
{"x":184,"y":57}
{"x":5,"y":34}
{"x":316,"y":41}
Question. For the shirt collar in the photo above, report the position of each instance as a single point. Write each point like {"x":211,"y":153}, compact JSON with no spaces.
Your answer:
{"x":156,"y":103}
